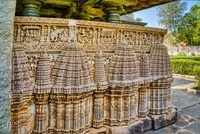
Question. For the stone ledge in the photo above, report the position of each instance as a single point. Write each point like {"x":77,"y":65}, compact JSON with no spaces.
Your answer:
{"x":192,"y":90}
{"x":185,"y":76}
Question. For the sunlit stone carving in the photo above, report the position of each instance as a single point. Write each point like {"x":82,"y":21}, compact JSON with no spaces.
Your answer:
{"x":89,"y":77}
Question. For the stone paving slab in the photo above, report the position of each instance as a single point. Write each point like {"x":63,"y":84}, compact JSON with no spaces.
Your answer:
{"x":193,"y":111}
{"x":194,"y":128}
{"x":181,"y":120}
{"x":182,"y":99}
{"x":182,"y":81}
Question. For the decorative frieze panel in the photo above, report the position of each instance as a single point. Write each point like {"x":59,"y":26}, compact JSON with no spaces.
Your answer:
{"x":38,"y":34}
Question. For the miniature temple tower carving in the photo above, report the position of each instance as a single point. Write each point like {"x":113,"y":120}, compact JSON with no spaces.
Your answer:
{"x":42,"y":90}
{"x":144,"y":88}
{"x":123,"y":78}
{"x":21,"y":93}
{"x":161,"y":72}
{"x":102,"y":85}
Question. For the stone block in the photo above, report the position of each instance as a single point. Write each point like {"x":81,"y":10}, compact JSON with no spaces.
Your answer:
{"x":171,"y":117}
{"x":147,"y":123}
{"x":159,"y":121}
{"x":136,"y":128}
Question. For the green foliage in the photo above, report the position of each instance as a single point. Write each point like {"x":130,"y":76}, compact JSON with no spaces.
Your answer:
{"x":170,"y":15}
{"x":132,"y":16}
{"x":183,"y":27}
{"x":194,"y":58}
{"x":184,"y":65}
{"x":197,"y":75}
{"x":138,"y":19}
{"x":181,"y":54}
{"x":188,"y":30}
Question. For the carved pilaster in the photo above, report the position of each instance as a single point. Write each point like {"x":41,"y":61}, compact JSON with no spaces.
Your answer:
{"x":52,"y":112}
{"x":143,"y":101}
{"x":98,"y":109}
{"x":60,"y":112}
{"x":158,"y":97}
{"x":41,"y":113}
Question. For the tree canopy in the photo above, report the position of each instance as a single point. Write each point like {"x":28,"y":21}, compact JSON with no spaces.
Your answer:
{"x":182,"y":27}
{"x":189,"y":28}
{"x":170,"y":15}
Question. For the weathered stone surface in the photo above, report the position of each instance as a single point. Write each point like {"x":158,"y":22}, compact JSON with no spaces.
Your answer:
{"x":147,"y":123}
{"x":194,"y":128}
{"x":181,"y":81}
{"x":192,"y":111}
{"x":182,"y":99}
{"x":170,"y":129}
{"x":184,"y":132}
{"x":160,"y":121}
{"x":7,"y":11}
{"x":181,"y":122}
{"x":136,"y":128}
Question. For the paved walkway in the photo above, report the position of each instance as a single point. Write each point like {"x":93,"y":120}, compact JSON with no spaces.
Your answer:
{"x":188,"y":107}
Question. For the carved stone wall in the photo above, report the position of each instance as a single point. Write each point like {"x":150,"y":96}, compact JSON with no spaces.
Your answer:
{"x":88,"y":77}
{"x":7,"y":12}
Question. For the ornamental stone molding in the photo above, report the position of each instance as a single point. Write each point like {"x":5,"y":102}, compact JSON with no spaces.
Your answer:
{"x":87,"y":77}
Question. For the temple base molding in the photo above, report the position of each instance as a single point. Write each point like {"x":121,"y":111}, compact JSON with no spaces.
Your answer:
{"x":142,"y":125}
{"x":160,"y":121}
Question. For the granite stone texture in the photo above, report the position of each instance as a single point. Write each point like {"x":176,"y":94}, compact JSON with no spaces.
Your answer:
{"x":7,"y":12}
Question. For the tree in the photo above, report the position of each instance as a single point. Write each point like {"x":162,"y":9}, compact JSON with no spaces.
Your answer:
{"x":189,"y":28}
{"x":170,"y":16}
{"x":132,"y":16}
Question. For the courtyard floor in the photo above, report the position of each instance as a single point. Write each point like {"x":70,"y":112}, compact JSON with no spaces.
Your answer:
{"x":188,"y":107}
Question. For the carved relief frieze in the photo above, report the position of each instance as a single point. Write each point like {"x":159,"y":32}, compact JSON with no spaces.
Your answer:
{"x":36,"y":34}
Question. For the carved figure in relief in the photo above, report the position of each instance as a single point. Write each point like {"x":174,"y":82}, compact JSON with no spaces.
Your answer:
{"x":55,"y":33}
{"x":64,"y":36}
{"x":31,"y":35}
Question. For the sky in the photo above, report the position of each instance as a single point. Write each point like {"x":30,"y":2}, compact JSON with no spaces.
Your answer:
{"x":149,"y":15}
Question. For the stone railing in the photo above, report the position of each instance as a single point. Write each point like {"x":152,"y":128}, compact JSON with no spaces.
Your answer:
{"x":38,"y":34}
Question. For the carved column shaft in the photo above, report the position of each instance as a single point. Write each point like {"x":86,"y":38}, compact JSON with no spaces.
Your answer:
{"x":142,"y":108}
{"x":98,"y":110}
{"x":60,"y":112}
{"x":52,"y":112}
{"x":41,"y":119}
{"x":158,"y":97}
{"x":7,"y":13}
{"x":126,"y":108}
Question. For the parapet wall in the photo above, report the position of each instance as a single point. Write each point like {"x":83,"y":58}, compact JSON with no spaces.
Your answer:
{"x":74,"y":76}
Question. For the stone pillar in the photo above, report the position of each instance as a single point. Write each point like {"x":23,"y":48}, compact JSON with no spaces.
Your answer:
{"x":31,"y":7}
{"x":113,"y":14}
{"x":7,"y":12}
